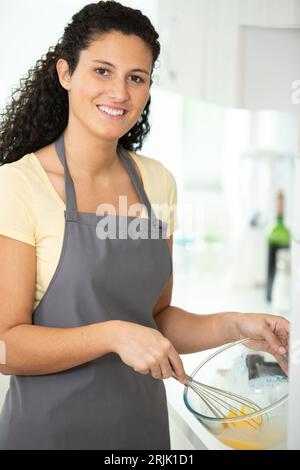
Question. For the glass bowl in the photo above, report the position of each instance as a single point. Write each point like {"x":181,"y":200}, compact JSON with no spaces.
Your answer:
{"x":244,"y":369}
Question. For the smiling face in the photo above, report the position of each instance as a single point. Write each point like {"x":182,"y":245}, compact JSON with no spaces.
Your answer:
{"x":110,"y":87}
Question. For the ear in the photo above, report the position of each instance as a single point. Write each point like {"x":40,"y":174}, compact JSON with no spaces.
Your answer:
{"x":63,"y":74}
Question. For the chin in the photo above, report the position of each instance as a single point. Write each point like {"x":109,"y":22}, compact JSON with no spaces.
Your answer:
{"x":113,"y":137}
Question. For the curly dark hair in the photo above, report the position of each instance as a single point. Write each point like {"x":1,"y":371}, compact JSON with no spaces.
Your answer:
{"x":39,"y":113}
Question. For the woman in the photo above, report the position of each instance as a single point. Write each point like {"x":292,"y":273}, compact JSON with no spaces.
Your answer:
{"x":85,"y":317}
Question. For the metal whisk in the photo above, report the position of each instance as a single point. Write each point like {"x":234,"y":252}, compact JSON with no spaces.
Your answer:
{"x":225,"y":405}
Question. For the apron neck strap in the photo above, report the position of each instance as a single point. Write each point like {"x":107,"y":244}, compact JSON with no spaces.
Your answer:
{"x":136,"y":180}
{"x":69,"y":185}
{"x":70,"y":189}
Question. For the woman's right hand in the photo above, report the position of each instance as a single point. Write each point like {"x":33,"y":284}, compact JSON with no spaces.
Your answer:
{"x":146,"y":350}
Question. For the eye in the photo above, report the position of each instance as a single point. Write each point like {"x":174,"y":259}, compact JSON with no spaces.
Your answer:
{"x":102,"y":70}
{"x":137,"y":79}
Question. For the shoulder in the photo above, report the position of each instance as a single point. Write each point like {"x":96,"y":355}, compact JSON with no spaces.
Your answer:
{"x":15,"y":175}
{"x":17,"y":184}
{"x":154,"y":172}
{"x":160,"y":185}
{"x":24,"y":174}
{"x":17,"y":208}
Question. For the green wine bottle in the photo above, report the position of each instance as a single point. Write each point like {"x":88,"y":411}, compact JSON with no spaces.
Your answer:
{"x":279,"y":237}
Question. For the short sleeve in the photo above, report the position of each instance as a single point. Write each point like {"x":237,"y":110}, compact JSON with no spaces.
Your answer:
{"x":173,"y":224}
{"x":16,"y":205}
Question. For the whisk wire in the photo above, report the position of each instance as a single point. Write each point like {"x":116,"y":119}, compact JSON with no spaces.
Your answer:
{"x":211,"y":401}
{"x":233,"y":404}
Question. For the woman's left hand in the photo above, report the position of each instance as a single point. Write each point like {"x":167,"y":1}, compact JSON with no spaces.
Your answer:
{"x":270,"y":332}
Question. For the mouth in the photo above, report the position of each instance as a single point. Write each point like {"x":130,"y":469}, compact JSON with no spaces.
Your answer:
{"x":114,"y":114}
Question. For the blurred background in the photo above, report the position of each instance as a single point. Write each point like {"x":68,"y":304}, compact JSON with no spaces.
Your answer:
{"x":225,"y":121}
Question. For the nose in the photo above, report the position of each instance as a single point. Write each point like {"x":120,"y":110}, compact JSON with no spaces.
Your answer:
{"x":118,"y":90}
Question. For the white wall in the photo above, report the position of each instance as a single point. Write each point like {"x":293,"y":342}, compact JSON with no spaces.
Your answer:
{"x":29,"y":27}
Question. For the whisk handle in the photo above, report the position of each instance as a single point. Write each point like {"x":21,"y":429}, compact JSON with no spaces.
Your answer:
{"x":188,"y":378}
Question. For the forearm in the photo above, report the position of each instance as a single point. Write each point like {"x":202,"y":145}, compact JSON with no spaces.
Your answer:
{"x":35,"y":350}
{"x":189,"y":332}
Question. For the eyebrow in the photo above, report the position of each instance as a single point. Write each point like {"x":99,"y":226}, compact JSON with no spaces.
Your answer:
{"x":112,"y":65}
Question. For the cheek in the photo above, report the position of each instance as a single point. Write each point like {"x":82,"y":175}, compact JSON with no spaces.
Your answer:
{"x":84,"y":88}
{"x":142,"y":99}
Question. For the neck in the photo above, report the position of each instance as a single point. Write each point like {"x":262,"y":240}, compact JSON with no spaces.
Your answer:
{"x":87,"y":155}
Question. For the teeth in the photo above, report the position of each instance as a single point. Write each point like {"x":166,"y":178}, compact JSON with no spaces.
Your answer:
{"x":112,"y":112}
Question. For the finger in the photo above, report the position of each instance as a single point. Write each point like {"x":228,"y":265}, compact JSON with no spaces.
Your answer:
{"x":166,"y":369}
{"x":143,"y":371}
{"x":284,"y":339}
{"x":280,"y":326}
{"x":282,"y":363}
{"x":156,"y":372}
{"x":274,"y":344}
{"x":177,"y":365}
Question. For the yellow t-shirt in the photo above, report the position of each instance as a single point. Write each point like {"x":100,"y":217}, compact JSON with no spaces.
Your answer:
{"x":31,"y":210}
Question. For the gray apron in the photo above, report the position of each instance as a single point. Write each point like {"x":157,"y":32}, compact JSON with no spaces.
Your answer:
{"x":102,"y":404}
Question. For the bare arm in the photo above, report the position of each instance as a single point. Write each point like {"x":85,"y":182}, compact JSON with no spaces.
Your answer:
{"x":190,"y":332}
{"x":30,"y":349}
